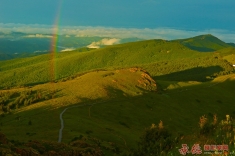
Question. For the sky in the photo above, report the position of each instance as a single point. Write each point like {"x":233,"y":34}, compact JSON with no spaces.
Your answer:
{"x":169,"y":18}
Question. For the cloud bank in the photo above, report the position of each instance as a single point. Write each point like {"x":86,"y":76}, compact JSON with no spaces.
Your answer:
{"x":104,"y":41}
{"x":67,"y":49}
{"x":81,"y":31}
{"x":38,"y":36}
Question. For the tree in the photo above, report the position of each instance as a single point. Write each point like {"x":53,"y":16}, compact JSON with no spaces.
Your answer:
{"x":156,"y":140}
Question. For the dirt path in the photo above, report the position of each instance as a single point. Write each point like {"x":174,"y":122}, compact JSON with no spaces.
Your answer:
{"x":62,"y":121}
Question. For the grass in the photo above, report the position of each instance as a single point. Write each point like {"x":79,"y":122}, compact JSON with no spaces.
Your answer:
{"x":136,"y":85}
{"x":125,"y":116}
{"x":166,"y":55}
{"x":204,"y":43}
{"x":189,"y":69}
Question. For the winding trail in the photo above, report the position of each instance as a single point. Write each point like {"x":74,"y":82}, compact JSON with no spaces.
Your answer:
{"x":62,"y":121}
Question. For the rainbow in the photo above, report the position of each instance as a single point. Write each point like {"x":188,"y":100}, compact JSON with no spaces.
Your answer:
{"x":54,"y":44}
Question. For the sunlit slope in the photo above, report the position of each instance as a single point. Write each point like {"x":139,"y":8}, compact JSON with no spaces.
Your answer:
{"x":204,"y":43}
{"x":129,"y":82}
{"x":116,"y":85}
{"x":123,"y":119}
{"x":227,"y":54}
{"x":44,"y":68}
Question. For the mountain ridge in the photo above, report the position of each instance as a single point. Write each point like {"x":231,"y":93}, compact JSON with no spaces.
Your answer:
{"x":204,"y":43}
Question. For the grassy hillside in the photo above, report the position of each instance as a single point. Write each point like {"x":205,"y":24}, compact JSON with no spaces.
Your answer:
{"x":9,"y":56}
{"x":109,"y":85}
{"x":16,"y":42}
{"x":112,"y":94}
{"x":119,"y":105}
{"x":198,"y":69}
{"x":204,"y":43}
{"x":83,"y":49}
{"x":44,"y":68}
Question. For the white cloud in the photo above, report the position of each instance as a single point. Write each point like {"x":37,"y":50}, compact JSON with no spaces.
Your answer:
{"x":146,"y":33}
{"x":40,"y":51}
{"x":105,"y":41}
{"x":93,"y":45}
{"x":67,"y":49}
{"x":38,"y":36}
{"x":111,"y":41}
{"x":26,"y":28}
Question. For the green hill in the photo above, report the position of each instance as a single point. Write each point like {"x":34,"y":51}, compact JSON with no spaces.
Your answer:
{"x":56,"y":66}
{"x":204,"y":43}
{"x":16,"y":42}
{"x":116,"y":108}
{"x":110,"y":95}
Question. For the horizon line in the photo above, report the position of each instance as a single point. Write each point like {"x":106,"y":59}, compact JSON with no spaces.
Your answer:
{"x":167,"y":33}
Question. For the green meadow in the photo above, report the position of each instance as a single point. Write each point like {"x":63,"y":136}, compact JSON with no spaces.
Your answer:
{"x":168,"y":56}
{"x":114,"y":93}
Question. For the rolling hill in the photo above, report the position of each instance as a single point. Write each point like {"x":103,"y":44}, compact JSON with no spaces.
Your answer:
{"x":204,"y":43}
{"x":116,"y":108}
{"x":169,"y":54}
{"x":108,"y":96}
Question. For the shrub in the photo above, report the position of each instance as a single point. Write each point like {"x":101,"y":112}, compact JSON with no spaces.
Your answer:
{"x":156,"y":140}
{"x":207,"y":128}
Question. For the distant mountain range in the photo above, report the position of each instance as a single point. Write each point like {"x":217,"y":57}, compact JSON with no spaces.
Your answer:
{"x":12,"y":45}
{"x":17,"y":45}
{"x":205,"y":43}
